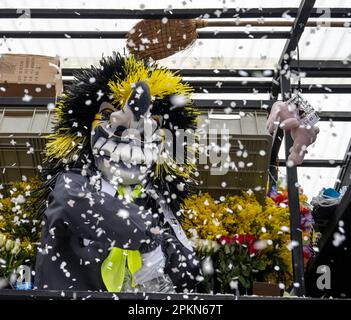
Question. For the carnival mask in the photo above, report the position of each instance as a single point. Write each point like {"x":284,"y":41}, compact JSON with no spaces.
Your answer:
{"x":125,"y":141}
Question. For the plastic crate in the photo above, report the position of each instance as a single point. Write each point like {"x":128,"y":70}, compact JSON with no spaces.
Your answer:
{"x":22,"y":140}
{"x":250,"y":151}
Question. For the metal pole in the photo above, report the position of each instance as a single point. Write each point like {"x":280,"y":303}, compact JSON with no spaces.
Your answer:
{"x":273,"y":168}
{"x":80,"y":13}
{"x":344,"y":175}
{"x":305,"y":11}
{"x":83,"y":34}
{"x":294,"y":206}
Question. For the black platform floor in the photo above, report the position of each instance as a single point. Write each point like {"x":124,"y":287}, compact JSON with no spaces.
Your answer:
{"x":84,"y":295}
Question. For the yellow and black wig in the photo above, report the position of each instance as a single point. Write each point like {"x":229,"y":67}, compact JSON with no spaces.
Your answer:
{"x":69,"y":144}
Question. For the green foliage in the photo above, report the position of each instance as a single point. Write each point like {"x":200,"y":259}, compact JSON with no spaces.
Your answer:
{"x":233,"y":262}
{"x":19,"y":228}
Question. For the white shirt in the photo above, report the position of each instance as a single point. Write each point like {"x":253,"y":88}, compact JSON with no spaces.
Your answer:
{"x":153,"y":262}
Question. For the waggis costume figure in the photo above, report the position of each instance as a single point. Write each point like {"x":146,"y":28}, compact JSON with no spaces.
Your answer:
{"x":112,"y":189}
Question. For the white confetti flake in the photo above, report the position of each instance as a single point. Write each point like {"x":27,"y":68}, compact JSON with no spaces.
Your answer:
{"x":243,"y":73}
{"x":338,"y":239}
{"x":180,"y":186}
{"x":290,"y":163}
{"x":122,"y":213}
{"x":218,"y":13}
{"x":292,"y":244}
{"x":233,"y":284}
{"x":228,"y":110}
{"x":179,"y":100}
{"x":27,"y":98}
{"x":207,"y":266}
{"x":155,"y":230}
{"x":260,"y":244}
{"x":99,"y":94}
{"x":71,"y":203}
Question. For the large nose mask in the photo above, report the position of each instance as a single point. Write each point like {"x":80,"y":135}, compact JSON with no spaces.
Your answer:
{"x":124,"y":142}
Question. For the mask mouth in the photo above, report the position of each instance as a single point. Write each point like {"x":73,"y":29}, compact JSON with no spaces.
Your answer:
{"x":129,"y":151}
{"x":122,"y":162}
{"x":120,"y":172}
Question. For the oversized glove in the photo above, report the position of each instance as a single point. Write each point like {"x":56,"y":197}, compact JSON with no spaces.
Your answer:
{"x":286,"y":117}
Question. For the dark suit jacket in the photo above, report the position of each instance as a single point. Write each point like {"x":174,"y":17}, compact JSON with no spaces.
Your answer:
{"x":81,"y":224}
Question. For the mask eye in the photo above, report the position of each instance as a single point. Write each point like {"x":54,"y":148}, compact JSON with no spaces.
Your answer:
{"x":105,"y":114}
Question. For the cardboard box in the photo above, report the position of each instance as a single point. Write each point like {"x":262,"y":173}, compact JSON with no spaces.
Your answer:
{"x":25,"y":75}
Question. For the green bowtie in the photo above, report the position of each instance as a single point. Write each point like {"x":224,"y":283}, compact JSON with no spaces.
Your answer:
{"x":114,"y":267}
{"x":135,"y":193}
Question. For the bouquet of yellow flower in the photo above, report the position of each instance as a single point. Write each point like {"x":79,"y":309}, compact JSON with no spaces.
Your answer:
{"x":252,"y":240}
{"x":19,"y":229}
